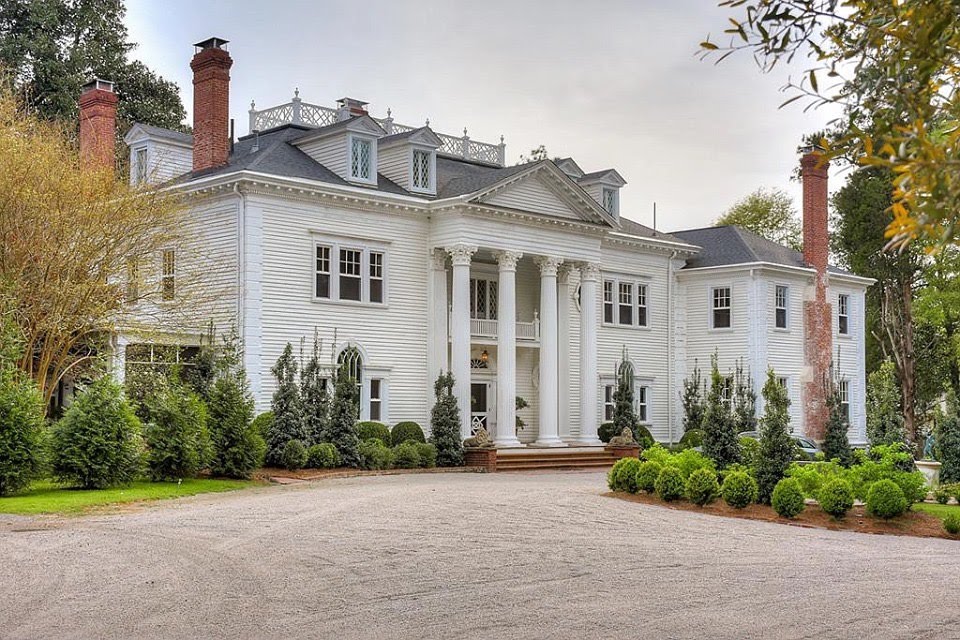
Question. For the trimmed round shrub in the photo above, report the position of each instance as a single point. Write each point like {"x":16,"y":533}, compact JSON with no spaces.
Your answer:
{"x":951,"y":523}
{"x":262,"y":423}
{"x":623,"y":475}
{"x":370,"y":429}
{"x":702,"y":487}
{"x":885,"y":499}
{"x":294,"y":455}
{"x":403,"y":431}
{"x":323,"y":456}
{"x":647,"y":474}
{"x":606,"y":431}
{"x":98,"y":442}
{"x":913,"y":485}
{"x":739,"y":489}
{"x":374,"y":454}
{"x":787,"y":498}
{"x":21,"y":430}
{"x":406,"y":455}
{"x":942,"y":494}
{"x":836,"y":497}
{"x":691,"y":439}
{"x":428,"y":454}
{"x":689,"y":461}
{"x":669,"y":485}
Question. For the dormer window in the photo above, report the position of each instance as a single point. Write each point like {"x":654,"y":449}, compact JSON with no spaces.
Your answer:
{"x":611,"y":201}
{"x":140,"y":165}
{"x":361,"y":159}
{"x":423,"y":164}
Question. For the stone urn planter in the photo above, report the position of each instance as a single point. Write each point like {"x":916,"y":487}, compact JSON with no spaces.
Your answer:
{"x":931,"y":471}
{"x":484,"y":458}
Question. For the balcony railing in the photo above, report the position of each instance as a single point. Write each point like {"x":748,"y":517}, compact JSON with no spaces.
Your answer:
{"x":313,"y":115}
{"x":487,"y":329}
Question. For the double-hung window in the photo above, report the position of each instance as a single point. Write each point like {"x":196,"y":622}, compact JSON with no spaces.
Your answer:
{"x":843,"y":391}
{"x":361,"y":159}
{"x":781,"y":297}
{"x":641,"y":400}
{"x":422,"y":170}
{"x":608,"y":305}
{"x":376,"y":399}
{"x":168,"y":275}
{"x":625,"y":303}
{"x":625,"y":314}
{"x":642,"y":395}
{"x":609,"y":404}
{"x":351,"y":273}
{"x":843,"y":314}
{"x":721,"y":308}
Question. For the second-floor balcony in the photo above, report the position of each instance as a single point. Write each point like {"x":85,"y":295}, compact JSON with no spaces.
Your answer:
{"x":487,"y":329}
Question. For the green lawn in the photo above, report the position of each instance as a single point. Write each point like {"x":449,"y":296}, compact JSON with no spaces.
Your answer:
{"x":49,"y":497}
{"x":936,"y":509}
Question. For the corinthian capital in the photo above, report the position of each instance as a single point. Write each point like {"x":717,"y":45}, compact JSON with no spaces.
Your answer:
{"x":590,"y":271}
{"x":508,"y":260}
{"x":460,"y":254}
{"x":549,"y":265}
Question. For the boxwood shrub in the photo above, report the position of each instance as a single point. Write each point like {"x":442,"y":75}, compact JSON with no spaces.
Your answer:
{"x":294,"y":455}
{"x":403,"y":431}
{"x":374,"y":454}
{"x":787,"y":498}
{"x":428,"y":454}
{"x":623,"y":475}
{"x":406,"y":455}
{"x":702,"y":487}
{"x":606,"y":431}
{"x":647,"y":474}
{"x":372,"y":429}
{"x":669,"y":485}
{"x":886,"y":500}
{"x":323,"y":456}
{"x":836,"y":497}
{"x":739,"y":489}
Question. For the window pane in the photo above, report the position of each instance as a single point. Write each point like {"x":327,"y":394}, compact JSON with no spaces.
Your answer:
{"x":349,"y":288}
{"x":323,"y":285}
{"x":844,"y":328}
{"x":721,"y":318}
{"x":421,"y":169}
{"x":376,"y":291}
{"x":322,"y":289}
{"x":350,"y":274}
{"x":642,"y":305}
{"x":626,"y":303}
{"x":608,"y":302}
{"x":360,"y":159}
{"x":781,"y":318}
{"x":376,"y":276}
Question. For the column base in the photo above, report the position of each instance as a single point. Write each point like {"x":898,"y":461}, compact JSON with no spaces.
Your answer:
{"x":507,"y":443}
{"x":588,"y":442}
{"x":549,"y":442}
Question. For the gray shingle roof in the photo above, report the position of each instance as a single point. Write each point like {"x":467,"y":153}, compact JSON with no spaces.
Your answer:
{"x":458,"y":177}
{"x":643,"y":231}
{"x":170,"y":134}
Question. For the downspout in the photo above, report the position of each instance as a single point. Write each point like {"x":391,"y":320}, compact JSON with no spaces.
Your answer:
{"x":671,"y":348}
{"x":241,"y":247}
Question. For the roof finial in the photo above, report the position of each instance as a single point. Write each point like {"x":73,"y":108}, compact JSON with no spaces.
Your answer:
{"x":253,"y":105}
{"x":501,"y":138}
{"x":389,"y":113}
{"x":464,"y":132}
{"x":296,"y":93}
{"x":428,"y":122}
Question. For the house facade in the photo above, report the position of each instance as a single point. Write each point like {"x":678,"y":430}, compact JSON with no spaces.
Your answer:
{"x":409,"y":252}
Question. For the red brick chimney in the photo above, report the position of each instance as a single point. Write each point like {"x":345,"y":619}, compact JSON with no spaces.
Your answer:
{"x":350,"y":107}
{"x":817,"y":315}
{"x":98,"y":125}
{"x":211,"y":104}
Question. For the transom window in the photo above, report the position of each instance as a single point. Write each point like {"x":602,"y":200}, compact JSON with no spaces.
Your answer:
{"x":168,"y":275}
{"x":361,"y":159}
{"x":721,"y":307}
{"x":843,"y":391}
{"x":843,"y":314}
{"x":347,"y":273}
{"x":610,"y":200}
{"x":625,"y":303}
{"x":781,"y":296}
{"x":422,"y":178}
{"x":483,"y":299}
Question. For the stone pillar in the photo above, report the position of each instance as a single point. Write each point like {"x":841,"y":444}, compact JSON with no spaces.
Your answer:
{"x":460,"y":255}
{"x":589,"y":311}
{"x":548,"y":435}
{"x":440,"y":338}
{"x":564,"y":297}
{"x":507,"y":350}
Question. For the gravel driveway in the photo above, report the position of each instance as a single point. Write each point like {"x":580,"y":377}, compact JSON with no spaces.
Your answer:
{"x":461,"y":556}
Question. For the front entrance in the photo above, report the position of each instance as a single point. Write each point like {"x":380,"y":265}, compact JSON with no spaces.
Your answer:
{"x":479,"y":406}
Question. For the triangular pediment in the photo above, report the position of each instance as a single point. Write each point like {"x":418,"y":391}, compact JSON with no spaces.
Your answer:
{"x":545,"y":190}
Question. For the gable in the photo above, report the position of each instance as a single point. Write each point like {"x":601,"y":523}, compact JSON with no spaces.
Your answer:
{"x":532,"y":193}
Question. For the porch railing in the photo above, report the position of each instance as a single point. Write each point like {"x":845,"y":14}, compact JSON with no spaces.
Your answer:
{"x":488,"y":329}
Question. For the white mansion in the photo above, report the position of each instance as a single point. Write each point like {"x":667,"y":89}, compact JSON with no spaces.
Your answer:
{"x":423,"y":252}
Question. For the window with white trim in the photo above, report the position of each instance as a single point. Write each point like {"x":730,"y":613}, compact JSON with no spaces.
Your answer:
{"x":361,"y":159}
{"x":168,"y":275}
{"x":721,"y":305}
{"x":642,"y":399}
{"x":376,"y":399}
{"x":422,"y":170}
{"x":349,"y":273}
{"x":843,"y":391}
{"x":140,"y":165}
{"x":625,"y":303}
{"x":609,"y":404}
{"x":781,"y":296}
{"x":610,"y":200}
{"x":784,"y":382}
{"x":843,"y":314}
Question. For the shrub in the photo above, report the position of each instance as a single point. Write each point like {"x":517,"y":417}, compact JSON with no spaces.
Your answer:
{"x":693,"y":403}
{"x":884,"y":416}
{"x":647,"y":474}
{"x":374,"y":454}
{"x":606,"y":431}
{"x":369,"y":429}
{"x":445,"y":423}
{"x":178,"y":443}
{"x":98,"y":441}
{"x":836,"y":444}
{"x":428,"y":454}
{"x":322,"y":456}
{"x":294,"y":455}
{"x":689,"y":461}
{"x":947,"y":442}
{"x":787,"y":498}
{"x":942,"y":495}
{"x":238,"y":447}
{"x":657,"y":453}
{"x":886,"y":500}
{"x":702,"y":487}
{"x":623,"y":475}
{"x":21,"y":430}
{"x":406,"y":455}
{"x":287,"y":409}
{"x":951,"y":523}
{"x":775,"y":448}
{"x":314,"y":398}
{"x":643,"y":437}
{"x":836,"y":497}
{"x":669,"y":485}
{"x":403,"y":431}
{"x":691,"y":439}
{"x":720,"y":442}
{"x":263,"y":423}
{"x":341,"y":428}
{"x":749,"y":451}
{"x":739,"y":490}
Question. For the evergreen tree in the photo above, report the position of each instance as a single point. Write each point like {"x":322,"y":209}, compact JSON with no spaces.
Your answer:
{"x":744,"y":400}
{"x":21,"y":427}
{"x":776,"y":445}
{"x":692,"y":398}
{"x":720,"y":441}
{"x":445,"y":423}
{"x":624,"y":414}
{"x":315,"y":399}
{"x":884,"y":417}
{"x":342,"y":430}
{"x":947,"y":447}
{"x":178,"y":441}
{"x":836,"y":443}
{"x":287,"y":409}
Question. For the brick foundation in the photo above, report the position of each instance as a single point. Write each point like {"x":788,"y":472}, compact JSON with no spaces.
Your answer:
{"x":484,"y":459}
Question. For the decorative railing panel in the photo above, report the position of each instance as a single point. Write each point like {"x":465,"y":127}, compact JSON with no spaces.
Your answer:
{"x":488,"y":329}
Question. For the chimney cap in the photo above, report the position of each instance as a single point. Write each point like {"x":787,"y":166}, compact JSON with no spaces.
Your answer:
{"x":211,"y":43}
{"x":352,"y":102}
{"x":97,"y":83}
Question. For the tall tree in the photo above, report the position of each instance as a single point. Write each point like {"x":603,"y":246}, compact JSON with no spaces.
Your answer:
{"x":52,"y":47}
{"x":768,"y":213}
{"x":287,"y":407}
{"x":893,"y":67}
{"x":720,"y":442}
{"x":692,"y":399}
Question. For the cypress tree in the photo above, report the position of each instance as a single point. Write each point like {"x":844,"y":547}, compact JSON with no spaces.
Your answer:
{"x":692,"y":400}
{"x":884,"y":416}
{"x":720,"y":442}
{"x":624,"y":414}
{"x":776,"y":445}
{"x":315,"y":399}
{"x":445,"y":423}
{"x":744,"y":400}
{"x":836,"y":444}
{"x":947,"y":446}
{"x":342,"y":428}
{"x":287,"y":409}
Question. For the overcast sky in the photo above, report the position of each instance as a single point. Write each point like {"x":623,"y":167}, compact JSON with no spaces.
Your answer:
{"x":611,"y":83}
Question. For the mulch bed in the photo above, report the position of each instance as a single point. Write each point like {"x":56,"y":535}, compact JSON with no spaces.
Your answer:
{"x":912,"y":523}
{"x":282,"y":476}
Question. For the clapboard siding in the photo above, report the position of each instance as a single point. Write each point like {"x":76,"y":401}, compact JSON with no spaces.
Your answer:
{"x":784,"y":347}
{"x":849,"y":359}
{"x":331,"y":152}
{"x":394,"y":163}
{"x":530,"y":194}
{"x":165,"y":161}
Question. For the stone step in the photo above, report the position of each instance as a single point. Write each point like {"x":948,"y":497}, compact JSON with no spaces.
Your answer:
{"x":532,"y":459}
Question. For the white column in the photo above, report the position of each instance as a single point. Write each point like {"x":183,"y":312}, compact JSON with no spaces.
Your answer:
{"x":118,"y":358}
{"x":589,"y":311}
{"x":563,"y":348}
{"x":439,"y":340}
{"x":548,"y":435}
{"x":507,"y":350}
{"x":460,"y":331}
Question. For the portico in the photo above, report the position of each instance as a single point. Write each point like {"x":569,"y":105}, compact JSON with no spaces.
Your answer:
{"x":504,"y":304}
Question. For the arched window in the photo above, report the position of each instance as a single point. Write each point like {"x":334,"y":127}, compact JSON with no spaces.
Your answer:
{"x":351,"y":362}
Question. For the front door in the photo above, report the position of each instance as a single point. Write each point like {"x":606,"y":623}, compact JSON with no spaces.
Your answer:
{"x":479,"y":414}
